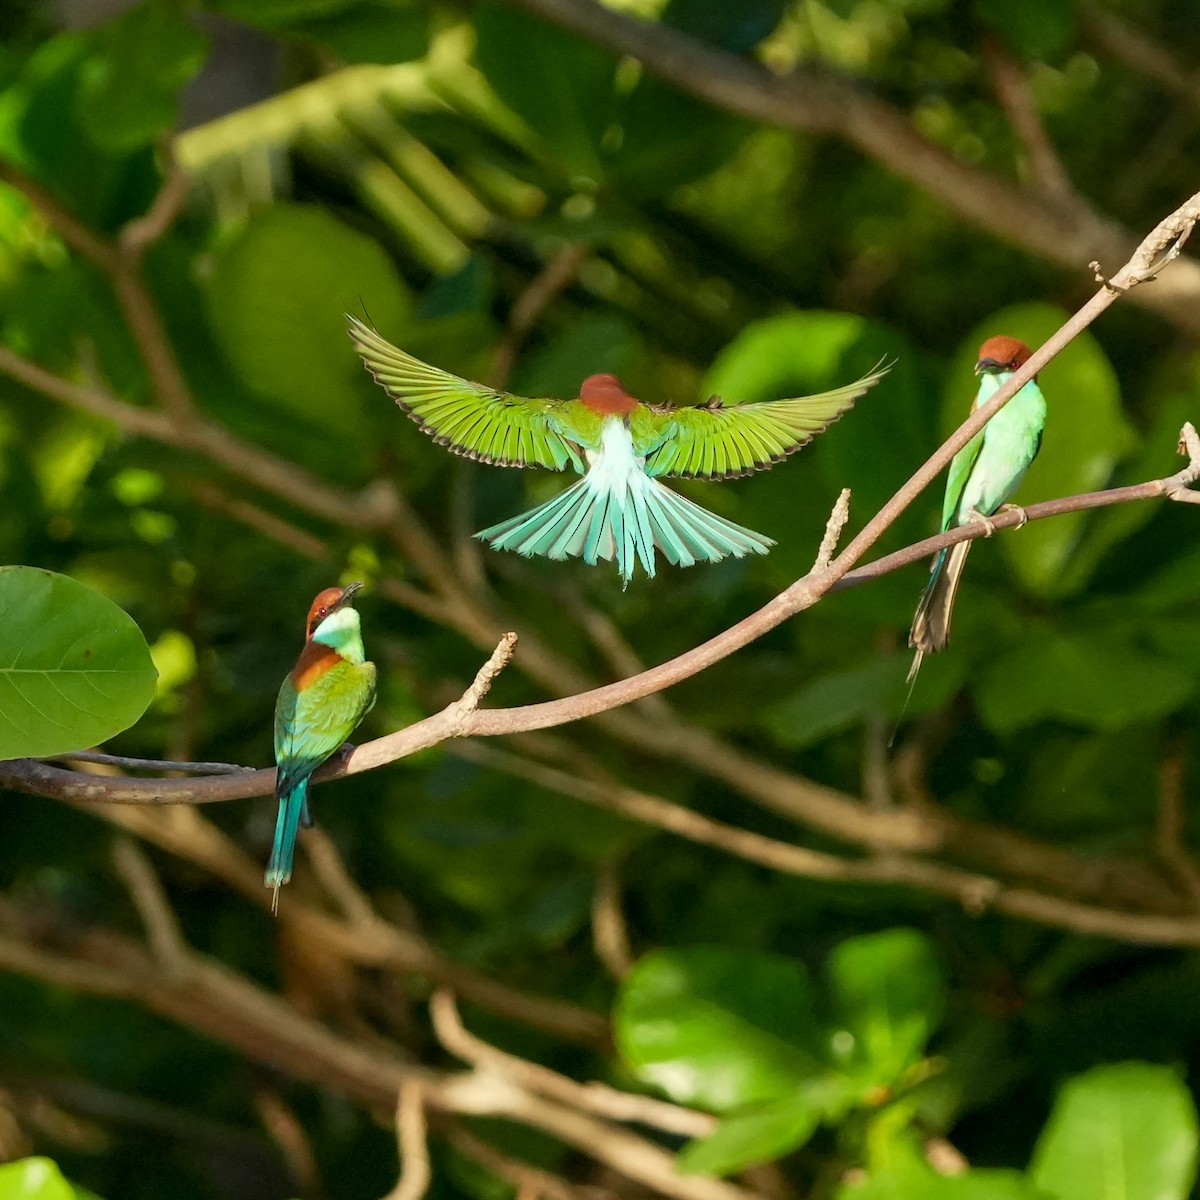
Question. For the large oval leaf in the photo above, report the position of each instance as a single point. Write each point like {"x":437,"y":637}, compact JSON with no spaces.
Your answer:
{"x":74,"y":668}
{"x":1086,"y":435}
{"x":278,"y":300}
{"x":1125,"y":1131}
{"x":717,"y":1028}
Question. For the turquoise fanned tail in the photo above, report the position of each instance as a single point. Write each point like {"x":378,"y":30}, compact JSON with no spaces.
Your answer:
{"x":627,"y":526}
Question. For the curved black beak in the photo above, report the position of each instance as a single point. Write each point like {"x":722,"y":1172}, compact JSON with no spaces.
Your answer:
{"x":347,"y":597}
{"x":988,"y":366}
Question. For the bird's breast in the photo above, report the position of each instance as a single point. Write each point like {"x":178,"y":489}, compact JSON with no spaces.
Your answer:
{"x":315,"y":660}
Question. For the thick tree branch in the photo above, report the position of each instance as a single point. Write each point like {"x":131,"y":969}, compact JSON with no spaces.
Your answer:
{"x":808,"y":100}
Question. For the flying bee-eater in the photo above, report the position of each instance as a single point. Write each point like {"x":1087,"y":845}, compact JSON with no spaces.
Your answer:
{"x":619,"y":510}
{"x":330,"y":689}
{"x":983,"y":474}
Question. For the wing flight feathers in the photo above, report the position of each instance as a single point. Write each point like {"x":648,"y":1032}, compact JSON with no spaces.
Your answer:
{"x":470,"y":419}
{"x":715,"y":441}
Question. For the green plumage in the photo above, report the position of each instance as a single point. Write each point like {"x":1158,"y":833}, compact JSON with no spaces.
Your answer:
{"x":312,"y":722}
{"x":983,"y":474}
{"x":621,"y":447}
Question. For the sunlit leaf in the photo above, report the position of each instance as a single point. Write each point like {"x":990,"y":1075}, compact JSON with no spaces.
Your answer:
{"x":716,"y":1028}
{"x":756,"y":1135}
{"x":1099,"y":680}
{"x":1125,"y":1131}
{"x":74,"y":668}
{"x":889,"y":997}
{"x":37,"y":1179}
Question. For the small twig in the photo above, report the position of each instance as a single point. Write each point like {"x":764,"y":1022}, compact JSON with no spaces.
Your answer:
{"x":591,"y":1097}
{"x":161,"y":925}
{"x":610,"y":934}
{"x":147,"y":764}
{"x":145,"y":230}
{"x":461,"y":710}
{"x":412,"y":1138}
{"x":833,"y":530}
{"x":255,"y":517}
{"x":528,"y":1180}
{"x":1170,"y":823}
{"x":530,"y":305}
{"x":287,"y":1132}
{"x":331,"y":871}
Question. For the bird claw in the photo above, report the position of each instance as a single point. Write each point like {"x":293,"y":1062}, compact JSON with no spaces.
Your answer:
{"x":973,"y":514}
{"x":1024,"y":516}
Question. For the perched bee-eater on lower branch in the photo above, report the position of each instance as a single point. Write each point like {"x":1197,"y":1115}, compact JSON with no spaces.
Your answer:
{"x":620,"y":446}
{"x":983,"y":474}
{"x":330,"y":689}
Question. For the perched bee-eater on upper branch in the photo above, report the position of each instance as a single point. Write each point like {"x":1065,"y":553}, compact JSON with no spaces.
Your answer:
{"x":621,"y":446}
{"x":983,"y":474}
{"x":330,"y":689}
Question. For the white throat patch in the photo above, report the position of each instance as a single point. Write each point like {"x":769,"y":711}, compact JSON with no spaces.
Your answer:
{"x":341,"y":631}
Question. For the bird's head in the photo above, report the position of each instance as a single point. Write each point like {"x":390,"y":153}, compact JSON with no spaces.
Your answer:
{"x":606,"y":394}
{"x":327,"y":605}
{"x":999,"y":354}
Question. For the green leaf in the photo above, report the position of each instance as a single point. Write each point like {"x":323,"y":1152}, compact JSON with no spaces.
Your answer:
{"x":35,"y":1179}
{"x":74,"y":668}
{"x":560,"y":85}
{"x":1035,"y":29}
{"x":130,"y":85}
{"x":837,"y":701}
{"x":717,"y":1028}
{"x":668,"y":139}
{"x":1125,"y":1131}
{"x":278,"y":300}
{"x":1096,"y":679}
{"x":755,"y":1135}
{"x":370,"y":33}
{"x":1086,"y":435}
{"x":889,"y":996}
{"x":871,"y":449}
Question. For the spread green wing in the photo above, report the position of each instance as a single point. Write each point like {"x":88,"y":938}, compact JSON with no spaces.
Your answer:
{"x":719,"y":441}
{"x":470,"y":419}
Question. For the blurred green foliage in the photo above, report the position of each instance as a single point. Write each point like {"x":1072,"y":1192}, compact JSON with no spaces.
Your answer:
{"x":839,"y":1028}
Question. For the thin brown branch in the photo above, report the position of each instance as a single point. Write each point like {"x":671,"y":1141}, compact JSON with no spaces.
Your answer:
{"x":412,"y":1140}
{"x":974,"y":892}
{"x":287,"y":1132}
{"x":1127,"y":44}
{"x":819,"y":102}
{"x":152,"y":225}
{"x":1170,"y":825}
{"x":183,"y":831}
{"x":147,"y":764}
{"x":541,"y":291}
{"x":39,"y":778}
{"x":1013,"y":91}
{"x":833,"y":531}
{"x":255,"y":517}
{"x":610,"y":935}
{"x":77,"y":235}
{"x":158,"y":918}
{"x":596,"y":1098}
{"x":526,"y":1179}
